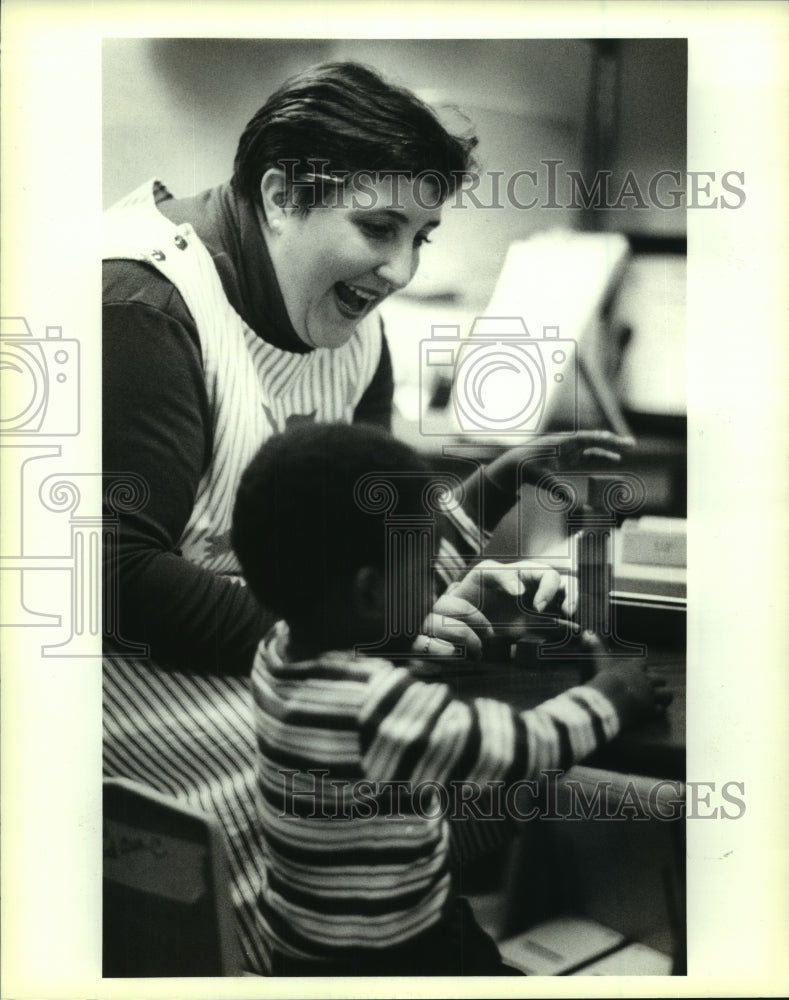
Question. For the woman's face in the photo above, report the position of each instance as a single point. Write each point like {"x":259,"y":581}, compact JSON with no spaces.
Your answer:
{"x":336,"y":263}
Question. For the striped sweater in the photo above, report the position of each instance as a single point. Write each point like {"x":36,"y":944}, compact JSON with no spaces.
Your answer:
{"x":352,"y":756}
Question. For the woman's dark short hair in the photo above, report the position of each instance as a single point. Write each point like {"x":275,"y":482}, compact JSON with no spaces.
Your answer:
{"x":299,"y":530}
{"x":341,"y":119}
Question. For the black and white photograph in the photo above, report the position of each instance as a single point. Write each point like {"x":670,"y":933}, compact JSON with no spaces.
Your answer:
{"x":503,"y":292}
{"x":408,"y":577}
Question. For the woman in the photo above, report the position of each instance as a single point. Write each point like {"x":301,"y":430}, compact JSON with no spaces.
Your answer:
{"x":226,"y":317}
{"x":292,"y":280}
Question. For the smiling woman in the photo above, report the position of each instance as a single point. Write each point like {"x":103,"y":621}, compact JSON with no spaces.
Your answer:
{"x":338,"y":264}
{"x":335,"y":164}
{"x":226,"y":317}
{"x":217,"y":313}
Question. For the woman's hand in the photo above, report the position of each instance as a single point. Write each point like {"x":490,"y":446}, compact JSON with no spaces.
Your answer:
{"x":555,"y":453}
{"x":502,"y":590}
{"x":493,"y":598}
{"x":454,"y":622}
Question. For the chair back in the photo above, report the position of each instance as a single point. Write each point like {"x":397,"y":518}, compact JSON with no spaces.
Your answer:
{"x":166,"y":888}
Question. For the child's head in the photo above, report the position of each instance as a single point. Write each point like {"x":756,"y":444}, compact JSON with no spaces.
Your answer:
{"x":308,"y":549}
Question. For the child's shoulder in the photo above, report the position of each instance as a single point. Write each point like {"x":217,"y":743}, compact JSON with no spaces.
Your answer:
{"x":346,"y":665}
{"x":341,"y":665}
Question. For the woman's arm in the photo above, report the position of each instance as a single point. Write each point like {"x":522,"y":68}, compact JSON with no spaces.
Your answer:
{"x":156,"y":425}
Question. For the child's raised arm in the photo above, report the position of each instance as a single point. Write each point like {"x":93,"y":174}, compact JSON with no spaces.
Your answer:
{"x":416,"y":731}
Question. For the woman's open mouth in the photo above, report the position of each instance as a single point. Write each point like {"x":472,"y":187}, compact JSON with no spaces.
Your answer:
{"x":354,"y":301}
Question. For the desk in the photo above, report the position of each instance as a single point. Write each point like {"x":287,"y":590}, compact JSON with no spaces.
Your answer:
{"x":656,"y":749}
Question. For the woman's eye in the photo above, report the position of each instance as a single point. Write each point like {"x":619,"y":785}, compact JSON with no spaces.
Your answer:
{"x":420,"y":239}
{"x":376,"y":230}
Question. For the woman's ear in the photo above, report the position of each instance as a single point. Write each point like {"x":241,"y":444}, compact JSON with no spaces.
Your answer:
{"x":274,"y":195}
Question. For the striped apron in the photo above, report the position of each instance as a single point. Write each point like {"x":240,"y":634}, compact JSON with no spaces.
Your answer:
{"x":188,"y":736}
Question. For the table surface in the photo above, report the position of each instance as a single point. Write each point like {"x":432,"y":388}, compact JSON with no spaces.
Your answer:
{"x":656,"y":749}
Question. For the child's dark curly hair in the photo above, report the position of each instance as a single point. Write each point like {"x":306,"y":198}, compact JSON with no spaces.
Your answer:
{"x":298,"y":529}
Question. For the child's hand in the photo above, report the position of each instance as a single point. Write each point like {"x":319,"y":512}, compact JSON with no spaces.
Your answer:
{"x":636,"y":694}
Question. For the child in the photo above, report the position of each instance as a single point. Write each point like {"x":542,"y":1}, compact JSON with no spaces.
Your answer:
{"x":351,"y":748}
